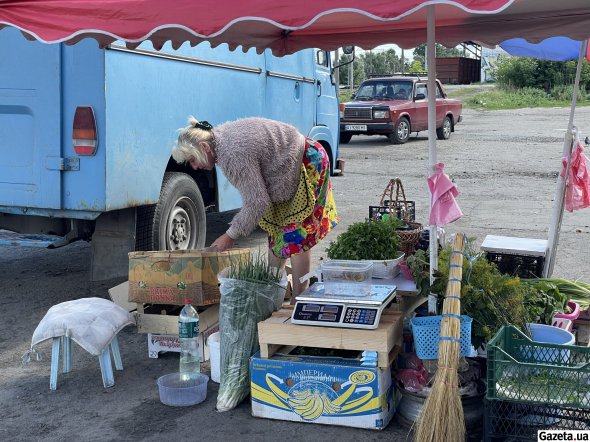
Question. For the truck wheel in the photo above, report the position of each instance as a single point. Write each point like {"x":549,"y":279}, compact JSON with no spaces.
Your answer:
{"x":345,"y":138}
{"x":444,"y":132}
{"x":177,"y":221}
{"x":402,"y":131}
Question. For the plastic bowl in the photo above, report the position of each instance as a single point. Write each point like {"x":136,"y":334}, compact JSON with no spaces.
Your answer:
{"x":182,"y":391}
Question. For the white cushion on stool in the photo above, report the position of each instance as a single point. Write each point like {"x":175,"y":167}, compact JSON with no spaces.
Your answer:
{"x":90,"y":322}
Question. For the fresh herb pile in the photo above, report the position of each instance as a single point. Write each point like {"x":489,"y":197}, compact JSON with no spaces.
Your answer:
{"x":250,"y":292}
{"x":546,"y":386}
{"x":256,"y":269}
{"x":576,"y":291}
{"x":367,"y":240}
{"x":419,"y":266}
{"x":494,"y":299}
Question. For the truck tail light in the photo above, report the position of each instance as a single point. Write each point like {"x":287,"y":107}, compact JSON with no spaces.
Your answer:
{"x":84,"y":136}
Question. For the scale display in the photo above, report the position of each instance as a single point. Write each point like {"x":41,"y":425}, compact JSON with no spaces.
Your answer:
{"x":314,"y":307}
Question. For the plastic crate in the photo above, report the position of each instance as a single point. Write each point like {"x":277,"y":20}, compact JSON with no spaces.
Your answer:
{"x":426,"y":333}
{"x":526,"y":371}
{"x":376,"y":212}
{"x":524,"y":266}
{"x":506,"y":420}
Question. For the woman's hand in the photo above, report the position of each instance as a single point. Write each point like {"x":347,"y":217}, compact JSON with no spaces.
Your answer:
{"x":223,"y":243}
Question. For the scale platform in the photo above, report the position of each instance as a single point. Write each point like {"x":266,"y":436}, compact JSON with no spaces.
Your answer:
{"x":314,"y":307}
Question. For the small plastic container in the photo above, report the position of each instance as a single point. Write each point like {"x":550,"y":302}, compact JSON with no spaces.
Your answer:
{"x":215,"y":356}
{"x":387,"y":268}
{"x":347,"y":278}
{"x":182,"y":391}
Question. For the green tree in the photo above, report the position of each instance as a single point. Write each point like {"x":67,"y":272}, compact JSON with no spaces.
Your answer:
{"x":521,"y":72}
{"x":358,"y":70}
{"x":416,"y":66}
{"x":381,"y":63}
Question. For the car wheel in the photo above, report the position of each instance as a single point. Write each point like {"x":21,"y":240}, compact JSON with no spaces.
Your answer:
{"x":402,"y":131}
{"x":345,"y":138}
{"x":177,"y":221}
{"x":444,"y":132}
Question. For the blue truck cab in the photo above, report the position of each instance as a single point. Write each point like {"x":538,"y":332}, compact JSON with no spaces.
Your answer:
{"x":86,"y":135}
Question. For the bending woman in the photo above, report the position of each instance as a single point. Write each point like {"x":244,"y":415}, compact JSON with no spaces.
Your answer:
{"x":283,"y":178}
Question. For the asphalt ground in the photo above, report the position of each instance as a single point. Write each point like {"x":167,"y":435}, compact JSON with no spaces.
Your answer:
{"x":505,"y":165}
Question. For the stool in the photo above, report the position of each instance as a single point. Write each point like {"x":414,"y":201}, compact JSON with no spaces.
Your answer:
{"x":106,"y":369}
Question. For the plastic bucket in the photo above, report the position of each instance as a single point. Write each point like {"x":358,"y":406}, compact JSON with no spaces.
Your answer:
{"x":549,"y":334}
{"x":214,"y":356}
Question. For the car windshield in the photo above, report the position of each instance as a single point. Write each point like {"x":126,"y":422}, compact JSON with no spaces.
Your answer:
{"x":385,"y":90}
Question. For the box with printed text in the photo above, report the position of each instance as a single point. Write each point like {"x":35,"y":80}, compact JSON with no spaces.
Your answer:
{"x":324,"y":390}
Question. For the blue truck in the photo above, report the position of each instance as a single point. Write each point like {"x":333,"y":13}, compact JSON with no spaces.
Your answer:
{"x":86,"y":135}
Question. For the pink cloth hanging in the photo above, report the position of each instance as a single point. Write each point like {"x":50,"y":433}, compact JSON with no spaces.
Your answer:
{"x":443,"y":207}
{"x":577,"y":187}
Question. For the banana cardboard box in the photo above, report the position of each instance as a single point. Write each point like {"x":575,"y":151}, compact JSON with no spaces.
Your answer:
{"x":333,"y":391}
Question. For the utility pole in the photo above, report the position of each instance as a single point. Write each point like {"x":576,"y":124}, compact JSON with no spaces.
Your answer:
{"x":350,"y":74}
{"x":403,"y":63}
{"x":337,"y":71}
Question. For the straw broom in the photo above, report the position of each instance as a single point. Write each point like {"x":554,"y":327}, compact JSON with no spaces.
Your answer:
{"x":441,"y":419}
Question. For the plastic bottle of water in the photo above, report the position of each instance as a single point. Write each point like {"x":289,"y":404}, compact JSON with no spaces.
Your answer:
{"x":188,"y":332}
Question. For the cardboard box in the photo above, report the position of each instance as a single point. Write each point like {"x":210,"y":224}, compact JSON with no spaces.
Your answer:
{"x":158,"y":343}
{"x":582,"y":330}
{"x":162,"y":330}
{"x":323,"y":390}
{"x":168,"y":277}
{"x":120,"y":295}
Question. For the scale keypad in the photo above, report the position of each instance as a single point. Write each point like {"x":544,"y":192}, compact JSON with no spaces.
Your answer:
{"x":358,"y":315}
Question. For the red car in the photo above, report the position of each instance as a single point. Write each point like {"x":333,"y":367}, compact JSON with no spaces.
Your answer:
{"x":396,"y":107}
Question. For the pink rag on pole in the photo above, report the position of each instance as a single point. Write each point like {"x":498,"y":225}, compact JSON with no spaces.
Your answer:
{"x":443,"y":207}
{"x":577,"y":187}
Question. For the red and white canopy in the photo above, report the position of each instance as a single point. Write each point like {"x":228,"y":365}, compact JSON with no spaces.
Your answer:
{"x":286,"y":26}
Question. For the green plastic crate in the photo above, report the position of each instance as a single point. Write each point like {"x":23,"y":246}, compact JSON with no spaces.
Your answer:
{"x":525,"y":371}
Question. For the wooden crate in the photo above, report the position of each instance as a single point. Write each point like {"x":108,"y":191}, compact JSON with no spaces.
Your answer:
{"x":278,"y":331}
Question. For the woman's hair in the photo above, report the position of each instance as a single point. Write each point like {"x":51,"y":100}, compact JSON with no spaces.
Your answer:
{"x":187,"y":145}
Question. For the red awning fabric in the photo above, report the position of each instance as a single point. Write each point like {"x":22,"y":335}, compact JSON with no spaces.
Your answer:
{"x":285,"y":26}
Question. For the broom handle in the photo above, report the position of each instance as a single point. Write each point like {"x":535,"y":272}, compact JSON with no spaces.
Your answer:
{"x":450,"y":328}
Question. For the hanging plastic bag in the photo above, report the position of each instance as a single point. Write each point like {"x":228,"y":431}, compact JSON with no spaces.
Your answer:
{"x":443,"y":207}
{"x":243,"y":305}
{"x":577,"y":189}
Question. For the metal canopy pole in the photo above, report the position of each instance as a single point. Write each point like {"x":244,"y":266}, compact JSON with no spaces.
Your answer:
{"x":559,"y":202}
{"x":432,"y":160}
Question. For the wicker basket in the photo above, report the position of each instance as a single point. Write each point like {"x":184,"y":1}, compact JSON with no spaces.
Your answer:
{"x":409,"y":237}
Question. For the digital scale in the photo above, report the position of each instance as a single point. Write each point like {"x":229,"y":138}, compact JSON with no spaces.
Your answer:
{"x":314,"y":307}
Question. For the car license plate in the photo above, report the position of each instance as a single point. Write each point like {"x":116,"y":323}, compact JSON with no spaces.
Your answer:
{"x":355,"y":127}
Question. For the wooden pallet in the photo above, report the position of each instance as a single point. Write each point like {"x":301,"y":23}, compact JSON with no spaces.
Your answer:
{"x":278,"y":331}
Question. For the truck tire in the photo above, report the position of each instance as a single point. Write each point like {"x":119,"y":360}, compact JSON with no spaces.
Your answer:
{"x":177,"y":221}
{"x":444,"y":132}
{"x":401,"y":133}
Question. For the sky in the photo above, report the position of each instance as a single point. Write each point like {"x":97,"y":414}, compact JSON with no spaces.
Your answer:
{"x":407,"y":53}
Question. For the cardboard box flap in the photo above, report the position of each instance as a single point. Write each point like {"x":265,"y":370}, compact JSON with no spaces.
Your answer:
{"x":120,"y":294}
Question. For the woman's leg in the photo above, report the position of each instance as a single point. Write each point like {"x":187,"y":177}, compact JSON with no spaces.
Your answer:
{"x":301,"y":266}
{"x":275,"y":261}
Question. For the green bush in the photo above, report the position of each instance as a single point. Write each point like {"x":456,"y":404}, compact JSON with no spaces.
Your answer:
{"x":522,"y":72}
